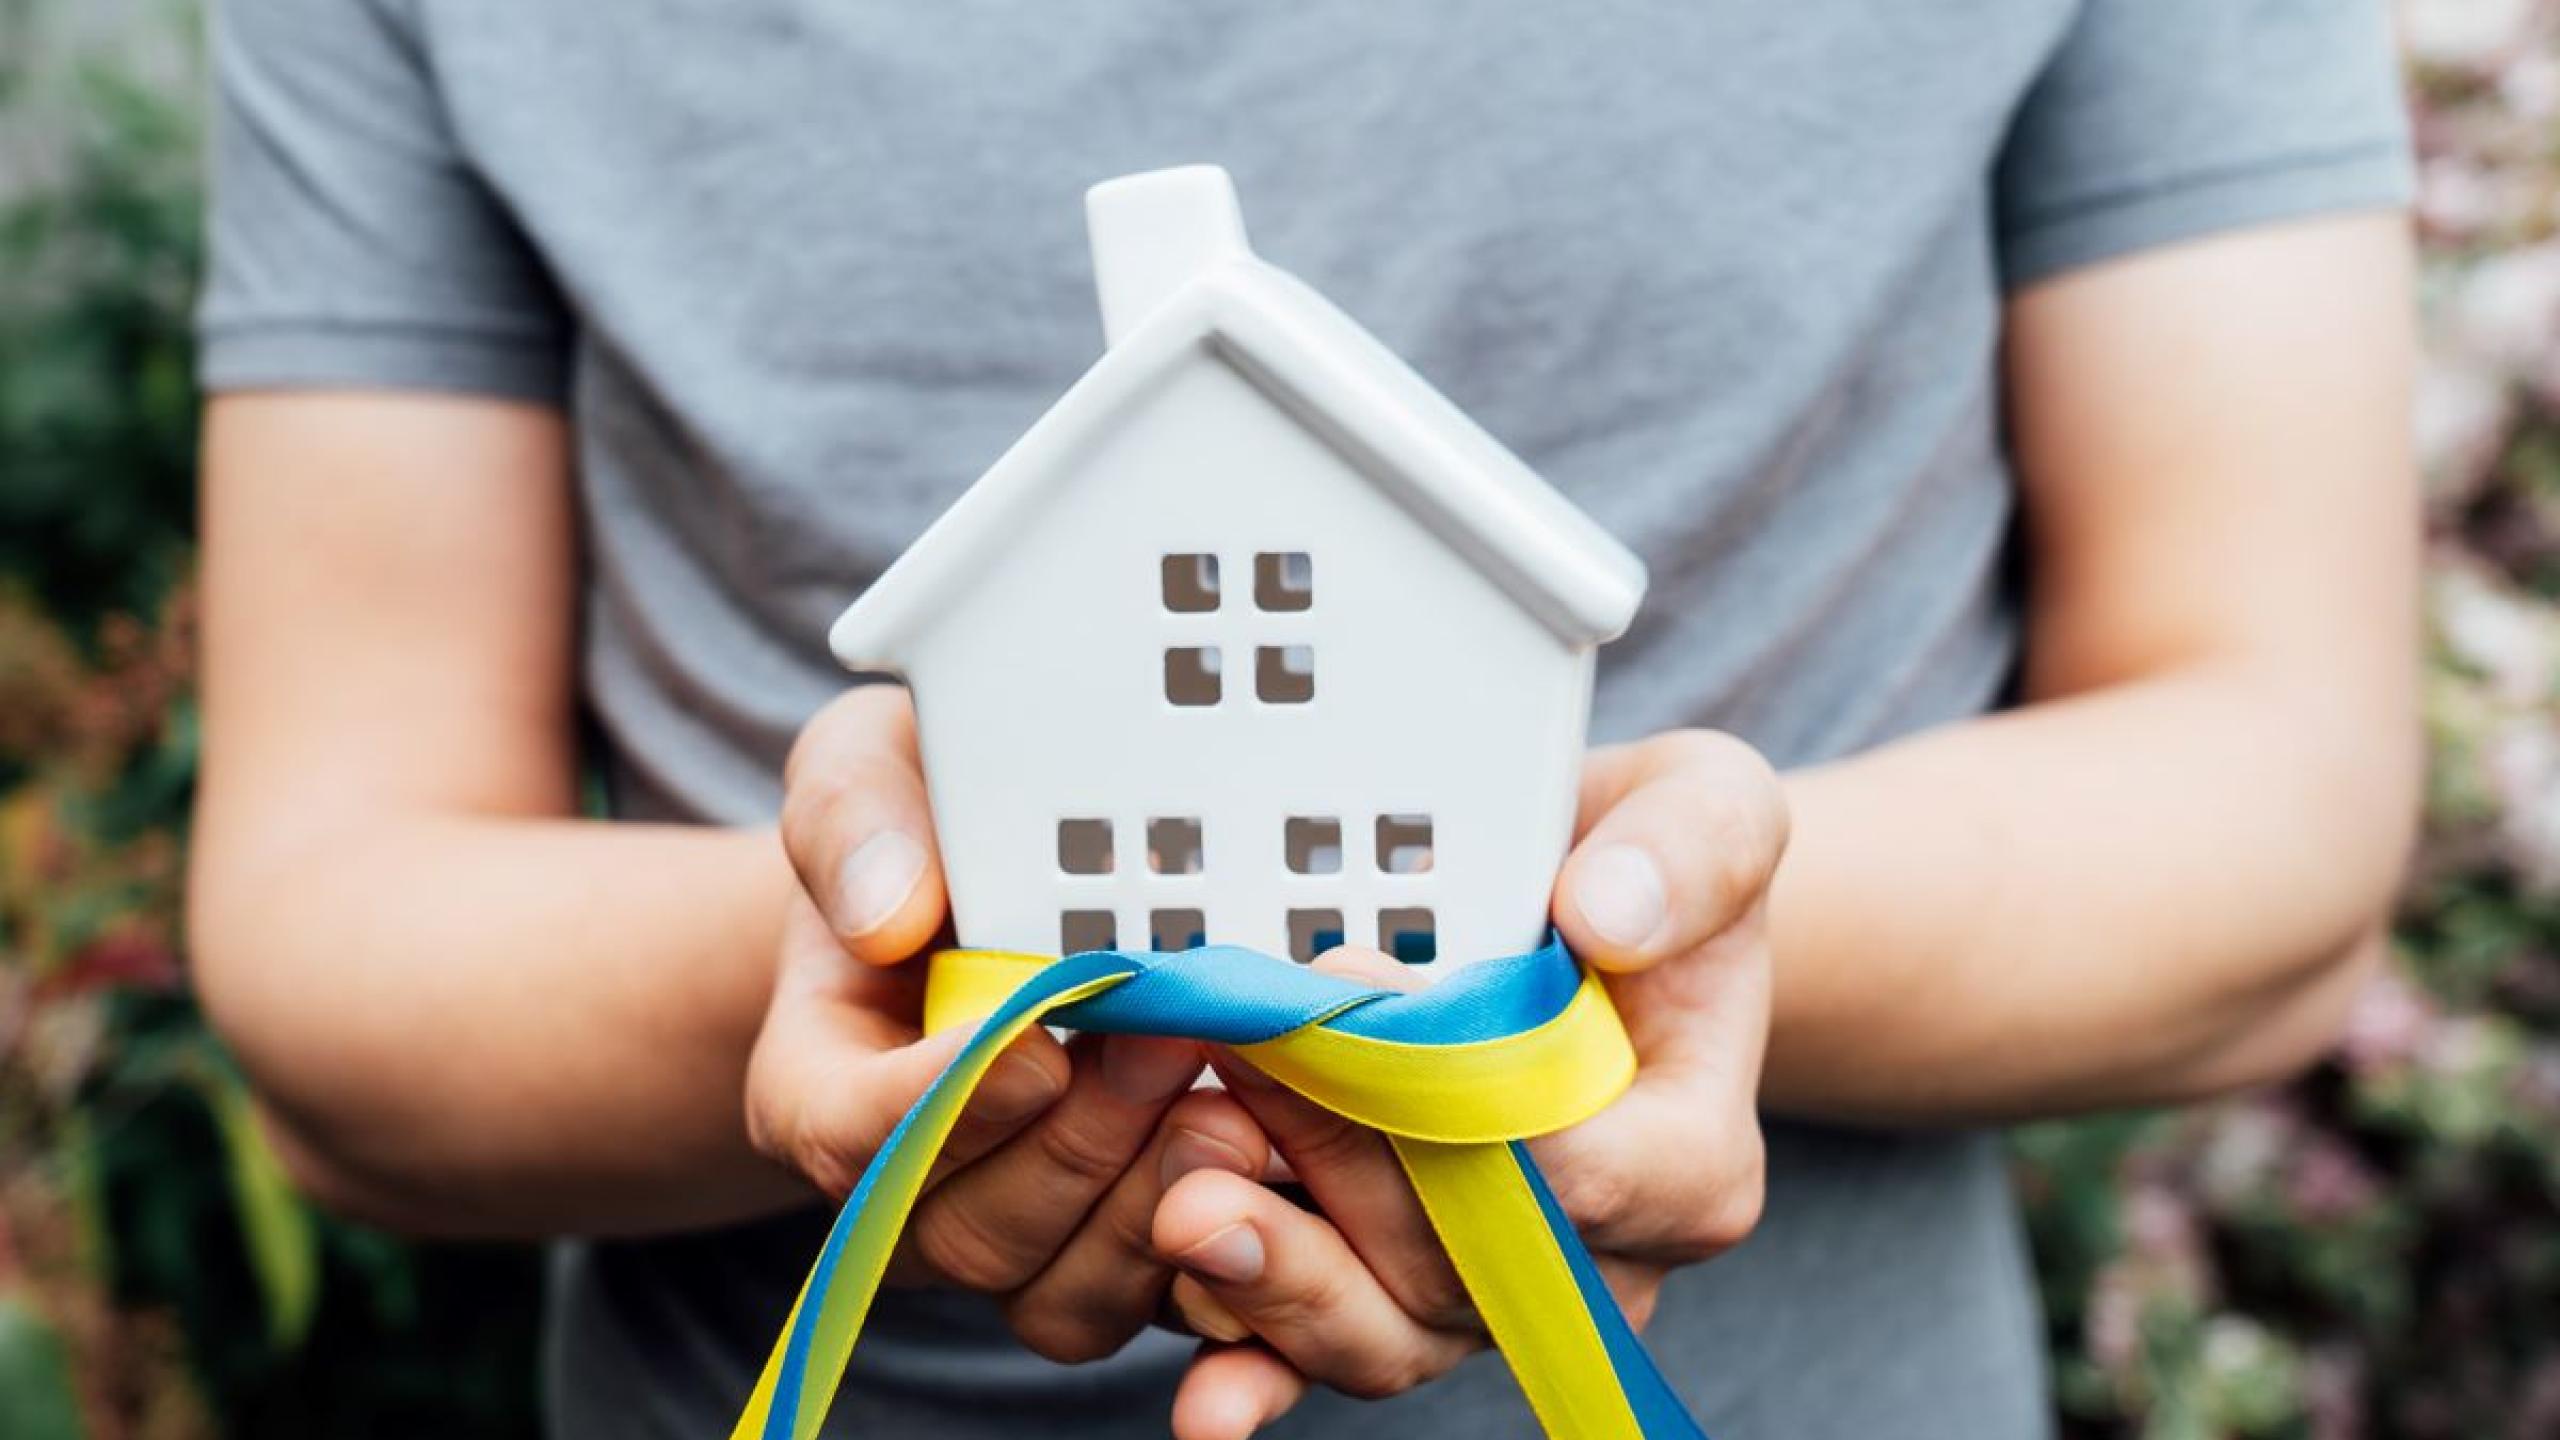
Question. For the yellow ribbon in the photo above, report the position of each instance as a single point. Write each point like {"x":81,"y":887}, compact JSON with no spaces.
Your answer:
{"x":1454,"y":1080}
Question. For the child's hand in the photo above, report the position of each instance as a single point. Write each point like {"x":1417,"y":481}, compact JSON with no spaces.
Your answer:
{"x":1667,"y":890}
{"x":1045,"y":1192}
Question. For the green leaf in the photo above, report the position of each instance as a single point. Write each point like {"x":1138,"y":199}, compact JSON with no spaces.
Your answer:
{"x":84,"y":1190}
{"x":283,"y":1244}
{"x":37,"y":1399}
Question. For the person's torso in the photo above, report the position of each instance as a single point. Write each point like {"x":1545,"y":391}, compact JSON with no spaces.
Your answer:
{"x":1725,"y":274}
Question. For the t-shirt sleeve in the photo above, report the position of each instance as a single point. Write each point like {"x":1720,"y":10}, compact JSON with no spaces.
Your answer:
{"x":2162,"y":120}
{"x":352,"y":244}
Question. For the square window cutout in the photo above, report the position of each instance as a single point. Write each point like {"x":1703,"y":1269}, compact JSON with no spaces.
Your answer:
{"x":1313,"y":932}
{"x":1084,"y":847}
{"x":1285,"y":674}
{"x":1171,"y":930}
{"x":1190,"y":583}
{"x":1408,"y":935}
{"x":1173,"y":846}
{"x":1404,"y":844}
{"x":1312,"y":845}
{"x":1191,"y":675}
{"x":1083,"y":930}
{"x":1284,"y":581}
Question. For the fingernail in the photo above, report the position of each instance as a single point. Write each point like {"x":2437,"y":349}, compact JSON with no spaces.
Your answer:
{"x":1233,"y":1255}
{"x":1015,"y":1089}
{"x":1190,"y":1150}
{"x":1619,"y":891}
{"x":1209,"y":1318}
{"x":1146,"y":1071}
{"x":877,"y":878}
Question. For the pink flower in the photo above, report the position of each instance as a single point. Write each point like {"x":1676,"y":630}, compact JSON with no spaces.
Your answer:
{"x":2158,"y":1223}
{"x":2388,"y":1024}
{"x":2113,"y":1327}
{"x":2524,"y":767}
{"x":2328,"y":1182}
{"x":2530,"y":86}
{"x":2243,"y":1152}
{"x":2462,"y":413}
{"x":2455,"y":197}
{"x":2510,"y":640}
{"x":2507,"y":308}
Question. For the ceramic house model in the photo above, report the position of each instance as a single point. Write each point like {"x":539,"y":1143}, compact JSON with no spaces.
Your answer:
{"x":1253,"y":639}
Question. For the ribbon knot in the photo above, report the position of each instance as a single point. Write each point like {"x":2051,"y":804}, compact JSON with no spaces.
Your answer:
{"x":1456,"y":1075}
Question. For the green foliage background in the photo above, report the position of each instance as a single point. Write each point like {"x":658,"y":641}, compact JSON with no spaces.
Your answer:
{"x":2374,"y":1251}
{"x":157,"y":1279}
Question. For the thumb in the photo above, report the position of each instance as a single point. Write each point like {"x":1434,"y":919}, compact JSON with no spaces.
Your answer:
{"x":858,"y":827}
{"x":1684,"y":833}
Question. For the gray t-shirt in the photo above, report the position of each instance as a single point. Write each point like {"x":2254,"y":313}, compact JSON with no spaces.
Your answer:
{"x":1730,"y":275}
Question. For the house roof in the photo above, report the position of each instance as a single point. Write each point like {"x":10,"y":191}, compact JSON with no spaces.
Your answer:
{"x":1555,"y":562}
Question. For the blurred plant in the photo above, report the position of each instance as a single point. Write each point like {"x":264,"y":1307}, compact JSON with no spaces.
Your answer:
{"x":158,"y":1279}
{"x":97,"y":264}
{"x":2376,"y":1251}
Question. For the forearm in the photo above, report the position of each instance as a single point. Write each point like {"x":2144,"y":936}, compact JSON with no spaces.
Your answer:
{"x":2146,"y":893}
{"x":503,"y":1026}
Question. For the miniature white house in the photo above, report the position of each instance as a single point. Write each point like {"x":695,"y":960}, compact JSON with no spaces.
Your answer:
{"x":1253,"y":638}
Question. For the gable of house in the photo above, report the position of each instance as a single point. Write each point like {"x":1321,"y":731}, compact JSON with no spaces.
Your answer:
{"x":1340,"y":383}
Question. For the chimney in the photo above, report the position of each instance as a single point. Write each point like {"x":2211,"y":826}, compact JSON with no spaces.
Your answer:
{"x":1152,"y":233}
